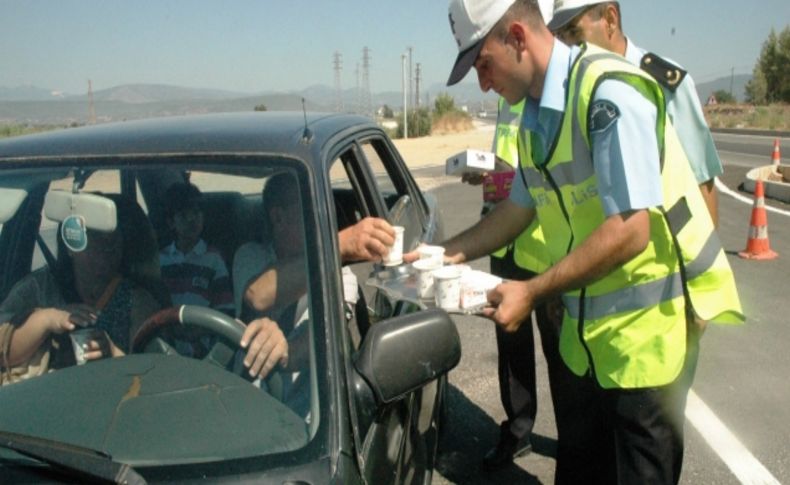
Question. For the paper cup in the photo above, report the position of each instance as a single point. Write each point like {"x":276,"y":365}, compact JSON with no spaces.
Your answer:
{"x":447,"y":287}
{"x":434,"y":253}
{"x":395,"y":256}
{"x":424,"y":269}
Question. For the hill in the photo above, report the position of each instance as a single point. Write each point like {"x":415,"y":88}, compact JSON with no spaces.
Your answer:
{"x":35,"y":105}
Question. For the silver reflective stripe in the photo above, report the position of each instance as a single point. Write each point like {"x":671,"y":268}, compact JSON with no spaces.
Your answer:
{"x":627,"y":299}
{"x":706,"y":257}
{"x":563,"y":174}
{"x":678,"y":216}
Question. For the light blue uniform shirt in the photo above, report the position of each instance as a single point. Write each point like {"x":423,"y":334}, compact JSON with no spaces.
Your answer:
{"x":625,"y":153}
{"x":685,"y":113}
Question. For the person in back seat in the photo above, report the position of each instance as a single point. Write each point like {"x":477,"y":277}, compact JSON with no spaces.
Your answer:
{"x":193,"y":271}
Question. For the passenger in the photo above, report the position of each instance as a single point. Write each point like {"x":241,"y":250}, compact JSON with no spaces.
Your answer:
{"x":97,"y":287}
{"x":194,"y":272}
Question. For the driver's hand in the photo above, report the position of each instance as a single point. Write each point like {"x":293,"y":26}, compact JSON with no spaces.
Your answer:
{"x":367,"y":240}
{"x":266,"y":347}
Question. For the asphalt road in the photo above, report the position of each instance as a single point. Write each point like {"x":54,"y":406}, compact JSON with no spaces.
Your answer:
{"x":738,"y":418}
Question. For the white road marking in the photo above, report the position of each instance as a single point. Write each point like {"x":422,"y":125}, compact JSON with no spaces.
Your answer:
{"x":726,"y":190}
{"x":738,"y":459}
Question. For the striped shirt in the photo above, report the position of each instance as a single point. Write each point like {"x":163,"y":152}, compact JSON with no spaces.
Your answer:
{"x":198,"y":277}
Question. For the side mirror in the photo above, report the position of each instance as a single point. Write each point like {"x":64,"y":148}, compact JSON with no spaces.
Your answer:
{"x":405,"y":353}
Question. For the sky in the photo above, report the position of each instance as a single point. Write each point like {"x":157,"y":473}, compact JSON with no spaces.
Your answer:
{"x":254,"y":46}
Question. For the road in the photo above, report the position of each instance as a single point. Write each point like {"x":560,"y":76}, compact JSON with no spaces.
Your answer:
{"x":738,"y":418}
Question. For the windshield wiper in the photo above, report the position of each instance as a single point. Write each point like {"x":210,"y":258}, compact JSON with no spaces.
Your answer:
{"x":72,"y":458}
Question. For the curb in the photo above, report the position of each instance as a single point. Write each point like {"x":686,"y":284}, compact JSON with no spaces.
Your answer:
{"x":749,"y":131}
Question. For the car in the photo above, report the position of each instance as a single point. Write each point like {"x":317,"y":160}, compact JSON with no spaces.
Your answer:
{"x":375,"y":374}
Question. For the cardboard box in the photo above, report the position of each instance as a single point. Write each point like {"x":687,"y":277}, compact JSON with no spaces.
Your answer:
{"x":496,"y":185}
{"x":470,"y":161}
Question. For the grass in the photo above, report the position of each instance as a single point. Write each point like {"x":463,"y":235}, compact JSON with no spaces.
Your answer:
{"x":9,"y":130}
{"x":746,"y":116}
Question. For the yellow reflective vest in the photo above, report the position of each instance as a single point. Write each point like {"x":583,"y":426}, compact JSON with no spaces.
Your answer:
{"x":529,"y":250}
{"x":628,"y":329}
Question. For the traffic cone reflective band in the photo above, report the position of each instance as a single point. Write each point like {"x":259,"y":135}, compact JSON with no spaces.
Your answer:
{"x":757,"y":246}
{"x":776,"y":159}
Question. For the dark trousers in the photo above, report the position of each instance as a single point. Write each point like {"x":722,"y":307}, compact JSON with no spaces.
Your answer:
{"x":516,"y":350}
{"x":624,"y":436}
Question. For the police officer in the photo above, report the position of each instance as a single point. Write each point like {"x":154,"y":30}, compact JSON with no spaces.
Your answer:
{"x":516,"y":350}
{"x":599,"y":23}
{"x":633,"y":255}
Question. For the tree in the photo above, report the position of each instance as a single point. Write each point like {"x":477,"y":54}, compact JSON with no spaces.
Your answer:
{"x":773,"y":67}
{"x":757,"y":88}
{"x":419,"y":123}
{"x":386,"y":112}
{"x":261,"y":107}
{"x":724,"y":97}
{"x":444,"y":104}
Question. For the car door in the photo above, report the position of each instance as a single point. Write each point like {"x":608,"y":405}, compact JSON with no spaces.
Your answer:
{"x":369,"y":179}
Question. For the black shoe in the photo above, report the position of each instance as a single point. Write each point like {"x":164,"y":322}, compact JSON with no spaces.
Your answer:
{"x":508,"y":448}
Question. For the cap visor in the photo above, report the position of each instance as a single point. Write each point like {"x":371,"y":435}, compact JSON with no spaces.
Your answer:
{"x":464,"y":62}
{"x":560,"y":19}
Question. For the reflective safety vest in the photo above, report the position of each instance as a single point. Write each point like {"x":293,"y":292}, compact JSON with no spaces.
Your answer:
{"x":628,"y":329}
{"x":529,"y":248}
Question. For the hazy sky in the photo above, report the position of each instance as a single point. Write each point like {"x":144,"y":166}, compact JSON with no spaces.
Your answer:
{"x":281,"y":45}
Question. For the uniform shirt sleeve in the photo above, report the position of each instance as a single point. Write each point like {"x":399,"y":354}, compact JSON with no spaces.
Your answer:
{"x":624,"y":148}
{"x":685,"y":113}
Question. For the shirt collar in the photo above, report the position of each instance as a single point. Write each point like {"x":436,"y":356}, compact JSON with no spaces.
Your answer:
{"x":633,"y":54}
{"x":554,"y":86}
{"x":200,"y":249}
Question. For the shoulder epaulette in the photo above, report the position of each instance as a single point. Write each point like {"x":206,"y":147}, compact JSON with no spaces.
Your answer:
{"x":667,"y":74}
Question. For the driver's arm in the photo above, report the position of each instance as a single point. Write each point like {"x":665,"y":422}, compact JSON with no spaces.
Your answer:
{"x":367,"y":240}
{"x":280,"y":285}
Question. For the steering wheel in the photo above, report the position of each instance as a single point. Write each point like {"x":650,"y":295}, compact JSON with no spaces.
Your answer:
{"x":230,"y":330}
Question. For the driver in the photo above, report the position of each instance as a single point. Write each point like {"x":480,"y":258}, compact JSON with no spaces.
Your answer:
{"x":94,"y":287}
{"x":269,"y":280}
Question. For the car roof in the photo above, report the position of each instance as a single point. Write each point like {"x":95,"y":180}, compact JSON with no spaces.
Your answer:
{"x":281,"y":132}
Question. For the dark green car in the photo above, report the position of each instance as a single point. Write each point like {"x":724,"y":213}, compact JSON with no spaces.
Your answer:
{"x":371,"y":373}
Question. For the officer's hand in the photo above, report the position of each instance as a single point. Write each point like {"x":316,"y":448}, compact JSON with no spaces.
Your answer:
{"x":473,"y":178}
{"x":510,"y":304}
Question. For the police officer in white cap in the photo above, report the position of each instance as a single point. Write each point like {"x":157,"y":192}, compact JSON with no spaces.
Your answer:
{"x":634,"y":253}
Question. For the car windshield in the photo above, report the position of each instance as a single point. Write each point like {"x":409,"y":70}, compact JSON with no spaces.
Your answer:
{"x":151,"y":263}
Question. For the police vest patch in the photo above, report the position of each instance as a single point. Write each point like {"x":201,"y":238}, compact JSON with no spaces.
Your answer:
{"x":603,"y":114}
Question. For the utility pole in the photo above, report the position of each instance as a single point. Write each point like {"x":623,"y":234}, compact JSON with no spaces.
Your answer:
{"x":91,"y":107}
{"x":411,"y":78}
{"x":417,"y":87}
{"x":358,"y":91}
{"x":404,"y":85}
{"x":338,"y":89}
{"x":366,"y":81}
{"x":732,"y":76}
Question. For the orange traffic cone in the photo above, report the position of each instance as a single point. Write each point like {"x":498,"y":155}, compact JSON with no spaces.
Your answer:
{"x":776,"y":159}
{"x":757,"y":246}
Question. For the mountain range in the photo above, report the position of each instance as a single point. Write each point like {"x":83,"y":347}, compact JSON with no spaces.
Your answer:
{"x":36,"y":105}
